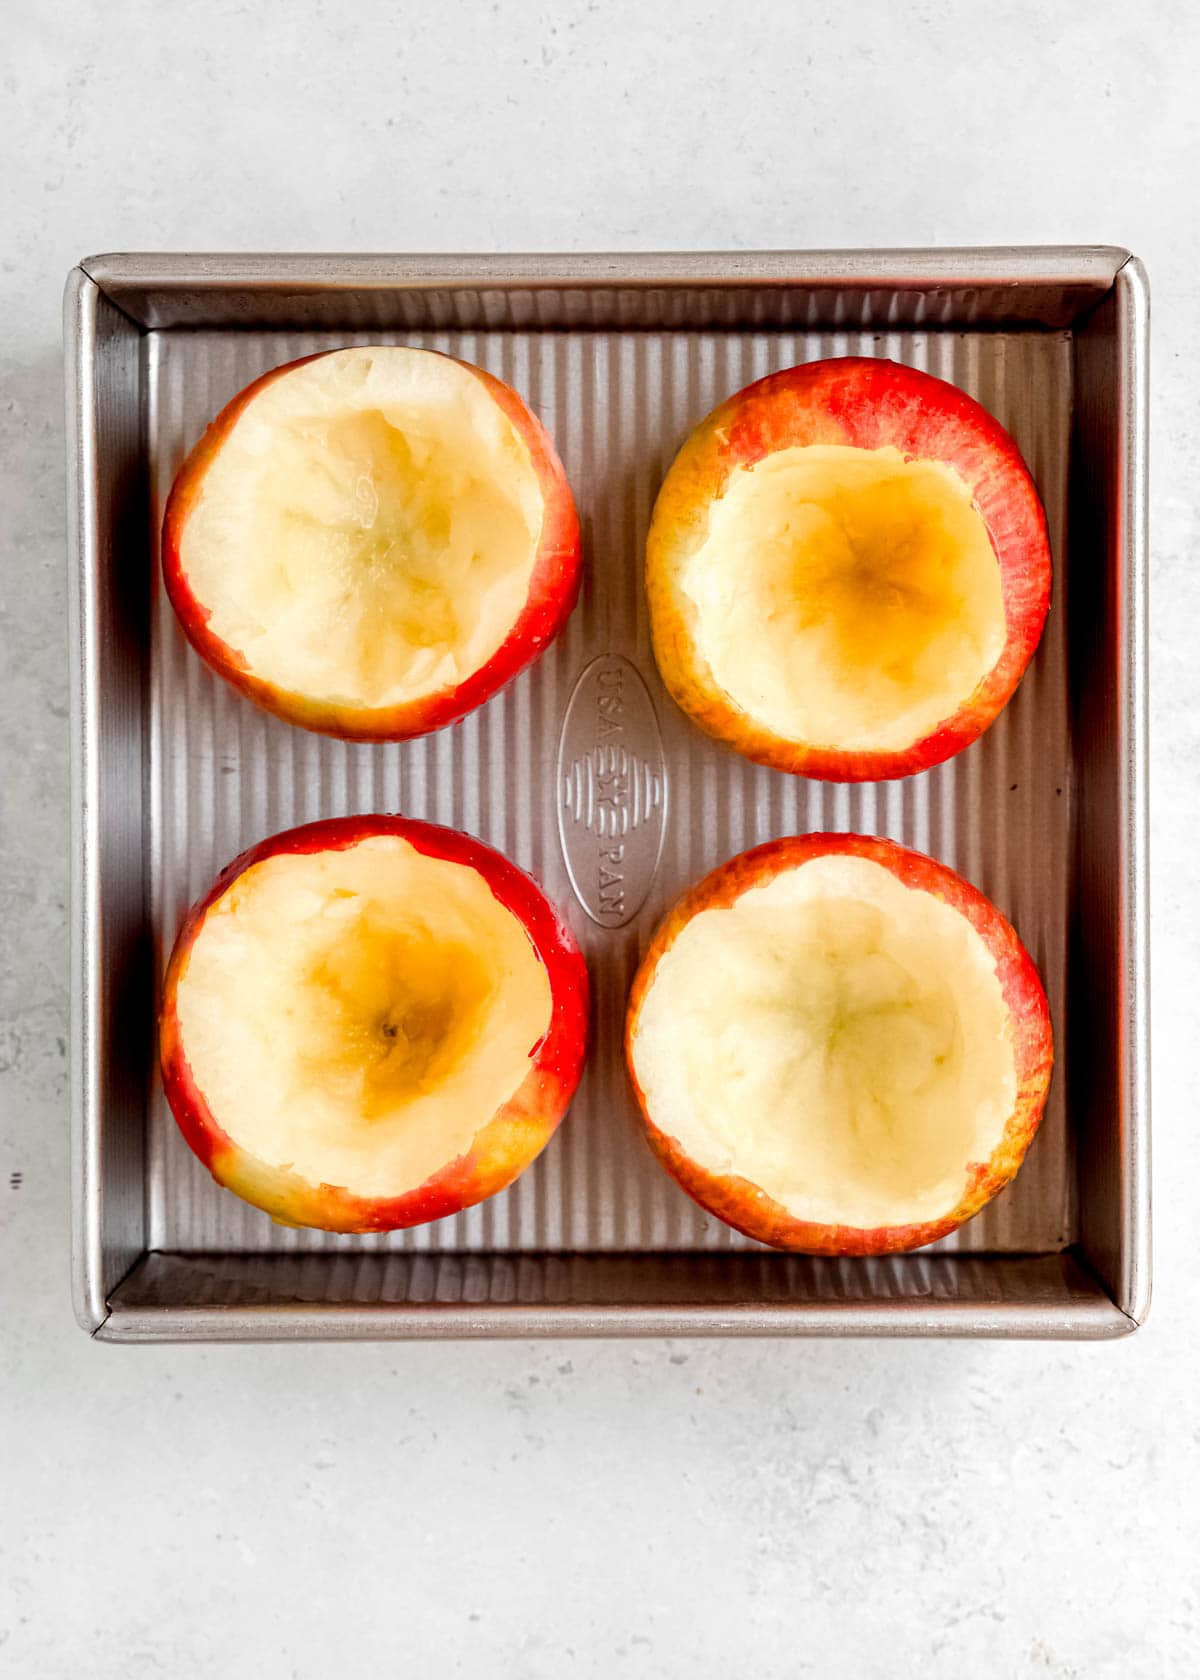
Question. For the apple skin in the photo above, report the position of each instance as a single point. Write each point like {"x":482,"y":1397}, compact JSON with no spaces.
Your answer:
{"x":860,"y":402}
{"x":502,"y":1148}
{"x":741,"y":1203}
{"x":553,"y":587}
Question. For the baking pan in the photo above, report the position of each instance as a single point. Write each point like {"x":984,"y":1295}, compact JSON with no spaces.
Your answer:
{"x":174,"y":774}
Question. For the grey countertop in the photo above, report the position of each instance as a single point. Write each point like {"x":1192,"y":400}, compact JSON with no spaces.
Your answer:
{"x":599,"y":1509}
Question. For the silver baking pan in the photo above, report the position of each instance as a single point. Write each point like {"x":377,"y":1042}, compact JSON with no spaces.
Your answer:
{"x":174,"y":774}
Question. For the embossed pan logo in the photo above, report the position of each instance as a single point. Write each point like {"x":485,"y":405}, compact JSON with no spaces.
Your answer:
{"x":612,"y":790}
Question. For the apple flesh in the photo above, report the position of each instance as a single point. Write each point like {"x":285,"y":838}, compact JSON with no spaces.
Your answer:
{"x":371,"y":1022}
{"x":372,"y":542}
{"x":847,"y":571}
{"x":839,"y":1046}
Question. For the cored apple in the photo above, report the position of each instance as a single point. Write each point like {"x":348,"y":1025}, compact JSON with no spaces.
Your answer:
{"x":371,"y":1022}
{"x":372,"y":542}
{"x":847,"y":570}
{"x":839,"y":1046}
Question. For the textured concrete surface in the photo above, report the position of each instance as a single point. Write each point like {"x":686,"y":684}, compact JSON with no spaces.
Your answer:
{"x":600,"y":1509}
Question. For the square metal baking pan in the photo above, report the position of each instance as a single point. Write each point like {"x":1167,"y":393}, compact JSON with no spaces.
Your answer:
{"x":174,"y":774}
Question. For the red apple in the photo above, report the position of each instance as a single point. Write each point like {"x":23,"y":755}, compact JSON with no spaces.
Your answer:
{"x":847,"y":570}
{"x":372,"y":542}
{"x":371,"y":1022}
{"x":839,"y":1045}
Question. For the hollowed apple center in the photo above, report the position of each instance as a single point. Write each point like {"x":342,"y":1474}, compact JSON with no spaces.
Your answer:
{"x":835,"y":1037}
{"x":362,"y":543}
{"x":358,"y":1015}
{"x":847,"y":598}
{"x":389,"y":1009}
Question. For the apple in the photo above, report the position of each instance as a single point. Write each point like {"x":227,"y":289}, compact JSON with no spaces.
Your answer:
{"x":371,"y":1022}
{"x":838,"y":1045}
{"x":847,"y":570}
{"x":371,"y":542}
